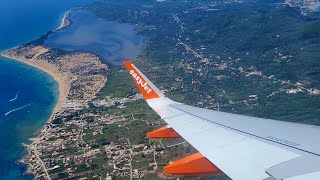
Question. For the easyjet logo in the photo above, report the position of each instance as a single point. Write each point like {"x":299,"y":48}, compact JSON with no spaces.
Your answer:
{"x":141,"y":82}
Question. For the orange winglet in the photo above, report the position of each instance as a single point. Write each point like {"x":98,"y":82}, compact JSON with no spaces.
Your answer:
{"x":144,"y":87}
{"x":164,"y":132}
{"x":195,"y":164}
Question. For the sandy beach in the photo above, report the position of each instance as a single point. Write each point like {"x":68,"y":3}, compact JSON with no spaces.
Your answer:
{"x":62,"y":79}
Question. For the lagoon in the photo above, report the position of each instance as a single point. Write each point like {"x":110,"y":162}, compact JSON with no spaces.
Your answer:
{"x":114,"y":42}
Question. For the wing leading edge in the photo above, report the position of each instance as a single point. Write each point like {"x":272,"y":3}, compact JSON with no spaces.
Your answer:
{"x":242,"y":147}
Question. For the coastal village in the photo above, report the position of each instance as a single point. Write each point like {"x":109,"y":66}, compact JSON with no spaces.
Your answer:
{"x":90,"y":145}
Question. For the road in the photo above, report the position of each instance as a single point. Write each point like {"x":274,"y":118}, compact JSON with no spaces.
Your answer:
{"x":39,"y":160}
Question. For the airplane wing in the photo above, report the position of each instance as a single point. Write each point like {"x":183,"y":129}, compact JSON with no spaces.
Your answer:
{"x":243,"y":147}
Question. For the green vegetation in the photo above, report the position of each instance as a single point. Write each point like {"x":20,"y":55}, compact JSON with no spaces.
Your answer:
{"x":151,"y":177}
{"x":100,"y":164}
{"x":142,"y":161}
{"x":117,"y":131}
{"x":264,"y":36}
{"x":119,"y":84}
{"x":310,"y":30}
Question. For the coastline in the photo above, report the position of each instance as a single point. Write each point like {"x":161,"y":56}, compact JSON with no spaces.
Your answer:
{"x":65,"y":21}
{"x":64,"y":87}
{"x":64,"y":70}
{"x":18,"y":160}
{"x":51,"y":70}
{"x":63,"y":90}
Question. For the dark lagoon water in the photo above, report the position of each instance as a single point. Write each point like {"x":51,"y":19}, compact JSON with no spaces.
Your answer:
{"x":30,"y":91}
{"x":113,"y":41}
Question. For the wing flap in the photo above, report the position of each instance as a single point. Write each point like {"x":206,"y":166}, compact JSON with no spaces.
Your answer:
{"x":295,"y":167}
{"x":248,"y":159}
{"x":309,"y":176}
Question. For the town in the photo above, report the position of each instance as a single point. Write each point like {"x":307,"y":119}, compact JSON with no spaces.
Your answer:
{"x":103,"y":138}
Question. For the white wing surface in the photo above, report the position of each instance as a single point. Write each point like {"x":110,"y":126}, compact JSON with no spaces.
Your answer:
{"x":243,"y":147}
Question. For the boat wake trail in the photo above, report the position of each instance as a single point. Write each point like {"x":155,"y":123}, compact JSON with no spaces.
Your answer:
{"x":16,"y":109}
{"x":15,"y":98}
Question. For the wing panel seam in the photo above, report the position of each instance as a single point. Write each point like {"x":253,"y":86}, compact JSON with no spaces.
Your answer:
{"x":244,"y":132}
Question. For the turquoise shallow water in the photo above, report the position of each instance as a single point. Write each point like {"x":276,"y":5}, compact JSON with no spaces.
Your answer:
{"x":36,"y":92}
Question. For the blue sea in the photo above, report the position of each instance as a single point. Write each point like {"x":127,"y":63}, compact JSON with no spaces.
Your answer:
{"x":27,"y":95}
